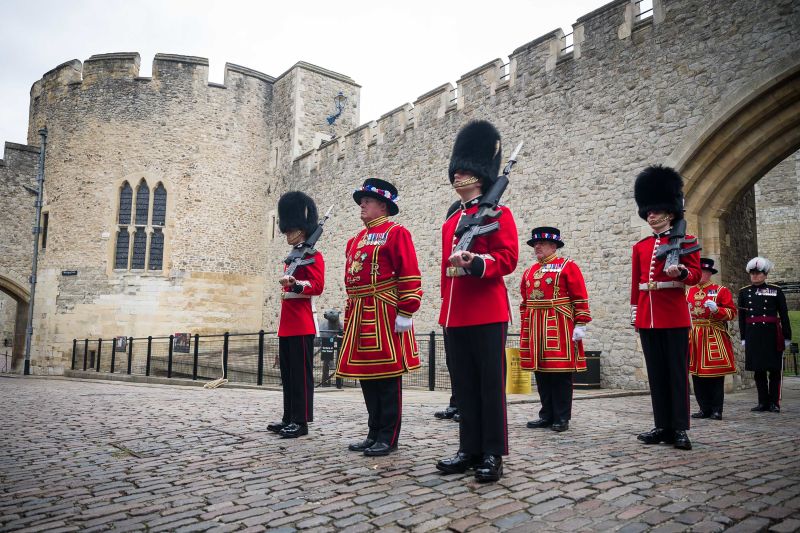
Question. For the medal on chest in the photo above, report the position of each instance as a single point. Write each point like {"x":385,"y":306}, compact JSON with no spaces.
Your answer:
{"x":356,"y":263}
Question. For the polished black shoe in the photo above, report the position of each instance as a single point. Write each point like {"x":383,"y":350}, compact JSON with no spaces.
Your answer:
{"x":459,"y":463}
{"x":361,"y":446}
{"x":293,"y":430}
{"x":774,"y":408}
{"x":716,"y":415}
{"x":560,"y":426}
{"x":682,"y":441}
{"x":538,"y":424}
{"x":457,"y":417}
{"x":379,"y":449}
{"x":447,"y":414}
{"x":656,"y":435}
{"x":276,"y":427}
{"x":700,"y":414}
{"x":760,"y":407}
{"x":490,"y":468}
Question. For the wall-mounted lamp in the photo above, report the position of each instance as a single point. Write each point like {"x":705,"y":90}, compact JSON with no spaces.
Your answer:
{"x":339,"y":101}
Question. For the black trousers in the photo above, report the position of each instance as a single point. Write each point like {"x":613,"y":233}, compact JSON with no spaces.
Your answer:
{"x":478,"y":366}
{"x":447,"y":361}
{"x":666,"y":353}
{"x":709,"y":393}
{"x":769,"y":391}
{"x":296,"y":357}
{"x":555,"y":393}
{"x":384,"y":399}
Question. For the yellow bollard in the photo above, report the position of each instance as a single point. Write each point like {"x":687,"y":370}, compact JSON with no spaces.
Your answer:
{"x":518,"y":381}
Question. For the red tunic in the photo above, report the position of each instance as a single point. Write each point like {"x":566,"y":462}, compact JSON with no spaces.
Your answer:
{"x":554,"y":301}
{"x":660,"y":308}
{"x":468,"y":300}
{"x":382,"y":280}
{"x":297,"y":309}
{"x":710,"y":350}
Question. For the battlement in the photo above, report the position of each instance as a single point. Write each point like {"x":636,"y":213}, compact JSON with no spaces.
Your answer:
{"x":14,"y":151}
{"x":530,"y":69}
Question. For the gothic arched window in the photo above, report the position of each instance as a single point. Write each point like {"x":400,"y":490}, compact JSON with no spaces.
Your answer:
{"x":140,"y":227}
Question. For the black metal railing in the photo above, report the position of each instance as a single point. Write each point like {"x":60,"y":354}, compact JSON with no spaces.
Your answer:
{"x":505,"y":72}
{"x":240,"y":357}
{"x":568,"y":44}
{"x":790,"y":361}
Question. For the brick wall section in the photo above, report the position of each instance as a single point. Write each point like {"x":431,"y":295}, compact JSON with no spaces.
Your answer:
{"x":777,"y":208}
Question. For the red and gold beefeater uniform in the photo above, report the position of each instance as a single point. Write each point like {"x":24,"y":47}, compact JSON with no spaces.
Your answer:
{"x":710,"y":350}
{"x":554,"y":301}
{"x":382,"y":279}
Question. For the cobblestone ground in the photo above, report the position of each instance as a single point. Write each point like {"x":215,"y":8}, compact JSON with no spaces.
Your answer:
{"x":81,"y":455}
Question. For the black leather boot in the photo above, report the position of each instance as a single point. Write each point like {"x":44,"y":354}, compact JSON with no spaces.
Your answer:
{"x":682,"y":441}
{"x":538,"y":424}
{"x":294,"y":430}
{"x":490,"y":469}
{"x":656,"y":435}
{"x":276,"y":427}
{"x":379,"y":449}
{"x":361,"y":446}
{"x":447,"y":414}
{"x":459,"y":463}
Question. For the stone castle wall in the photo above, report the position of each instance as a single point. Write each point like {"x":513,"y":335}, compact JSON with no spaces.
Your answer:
{"x":213,"y":147}
{"x":628,"y":94}
{"x":777,"y":207}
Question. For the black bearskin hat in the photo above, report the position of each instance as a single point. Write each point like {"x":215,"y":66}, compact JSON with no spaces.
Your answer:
{"x":477,"y":149}
{"x":659,"y":188}
{"x":297,"y":210}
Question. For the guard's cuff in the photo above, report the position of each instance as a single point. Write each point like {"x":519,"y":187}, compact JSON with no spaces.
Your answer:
{"x":477,"y":267}
{"x":684,"y":274}
{"x":297,"y":288}
{"x":403,"y":313}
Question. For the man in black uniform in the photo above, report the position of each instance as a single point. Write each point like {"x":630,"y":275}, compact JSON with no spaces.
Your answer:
{"x":766,"y":333}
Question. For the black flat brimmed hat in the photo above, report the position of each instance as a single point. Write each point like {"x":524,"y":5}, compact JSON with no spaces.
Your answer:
{"x":546,"y":233}
{"x":708,"y":264}
{"x":381,"y":190}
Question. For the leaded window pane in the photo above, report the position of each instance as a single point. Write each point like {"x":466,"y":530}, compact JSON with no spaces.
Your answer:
{"x":159,"y":205}
{"x":142,"y":204}
{"x":121,"y":255}
{"x":139,"y":248}
{"x":125,"y":199}
{"x":156,"y":249}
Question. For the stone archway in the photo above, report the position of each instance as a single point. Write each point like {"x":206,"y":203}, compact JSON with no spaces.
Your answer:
{"x":755,"y":129}
{"x":21,"y":296}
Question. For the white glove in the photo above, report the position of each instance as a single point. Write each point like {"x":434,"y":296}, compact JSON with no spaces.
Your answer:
{"x":633,"y":315}
{"x":712,"y":305}
{"x":786,"y":343}
{"x":579,"y":333}
{"x":742,"y":342}
{"x":402,"y":323}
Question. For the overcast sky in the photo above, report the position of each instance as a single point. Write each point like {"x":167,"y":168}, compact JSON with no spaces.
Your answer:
{"x":396,"y":51}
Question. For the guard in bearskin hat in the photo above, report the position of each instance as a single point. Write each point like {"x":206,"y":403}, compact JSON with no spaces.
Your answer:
{"x":384,"y":290}
{"x":297,"y":220}
{"x":555,"y":311}
{"x":658,"y":301}
{"x":711,"y":355}
{"x":475,"y":310}
{"x":766,"y":333}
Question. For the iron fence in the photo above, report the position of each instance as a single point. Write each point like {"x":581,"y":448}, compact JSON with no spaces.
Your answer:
{"x":240,"y":357}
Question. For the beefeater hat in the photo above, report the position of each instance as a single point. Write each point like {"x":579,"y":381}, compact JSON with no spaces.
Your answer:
{"x":477,"y":149}
{"x":296,"y":210}
{"x":659,"y":188}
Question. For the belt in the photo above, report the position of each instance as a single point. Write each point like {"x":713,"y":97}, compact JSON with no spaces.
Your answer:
{"x":455,"y":272}
{"x":362,"y":291}
{"x":658,"y":285}
{"x":759,"y":319}
{"x":710,"y":323}
{"x":546,"y":304}
{"x":293,"y":295}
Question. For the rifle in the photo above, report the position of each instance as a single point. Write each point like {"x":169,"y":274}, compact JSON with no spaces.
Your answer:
{"x":471,"y":226}
{"x":673,"y":250}
{"x":301,"y":253}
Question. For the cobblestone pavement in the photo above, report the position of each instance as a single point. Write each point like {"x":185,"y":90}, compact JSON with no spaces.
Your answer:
{"x":94,"y":455}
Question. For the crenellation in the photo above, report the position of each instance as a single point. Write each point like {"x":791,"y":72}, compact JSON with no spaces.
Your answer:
{"x":532,"y":58}
{"x":123,"y":66}
{"x":478,"y":84}
{"x":175,"y":69}
{"x":232,"y":69}
{"x":432,"y":105}
{"x":394,"y":122}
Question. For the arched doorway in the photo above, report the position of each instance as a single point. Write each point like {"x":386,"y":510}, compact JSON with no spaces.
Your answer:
{"x":755,"y":130}
{"x":21,"y":296}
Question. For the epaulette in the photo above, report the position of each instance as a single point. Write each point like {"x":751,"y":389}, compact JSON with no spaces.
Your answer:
{"x":452,"y":209}
{"x":745,"y":287}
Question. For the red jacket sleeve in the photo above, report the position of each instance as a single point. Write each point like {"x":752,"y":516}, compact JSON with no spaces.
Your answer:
{"x":635,"y":275}
{"x":692,"y":263}
{"x":312,"y":277}
{"x":726,"y":309}
{"x":578,"y":295}
{"x":501,"y":258}
{"x":406,"y":268}
{"x":522,"y":291}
